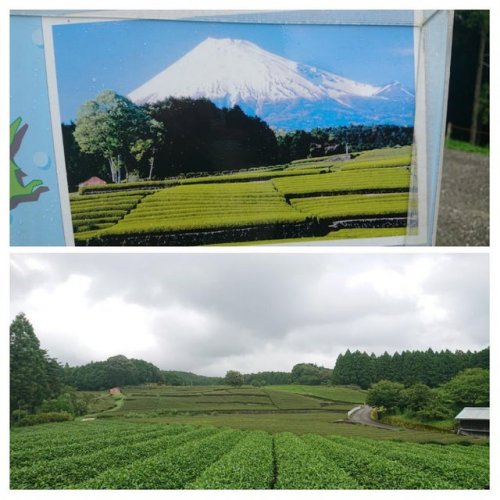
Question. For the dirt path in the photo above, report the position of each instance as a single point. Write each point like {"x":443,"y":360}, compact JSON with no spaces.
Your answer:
{"x":362,"y":416}
{"x":463,"y":218}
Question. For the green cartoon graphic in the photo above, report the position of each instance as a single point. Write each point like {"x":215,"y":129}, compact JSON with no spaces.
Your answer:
{"x":19,"y":192}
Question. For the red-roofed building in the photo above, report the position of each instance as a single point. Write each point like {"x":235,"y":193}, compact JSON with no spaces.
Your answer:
{"x":93,"y":181}
{"x":115,"y":390}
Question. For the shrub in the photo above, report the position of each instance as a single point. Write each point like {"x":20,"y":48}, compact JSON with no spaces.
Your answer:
{"x":44,"y":418}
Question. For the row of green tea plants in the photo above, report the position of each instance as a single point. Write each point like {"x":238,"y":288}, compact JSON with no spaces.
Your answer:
{"x":118,"y":455}
{"x":370,"y":162}
{"x":249,"y":465}
{"x":200,"y":203}
{"x":172,"y":468}
{"x":458,"y":470}
{"x":263,"y":174}
{"x":346,"y":181}
{"x":260,"y":174}
{"x":206,"y":207}
{"x":328,"y":207}
{"x":99,"y":211}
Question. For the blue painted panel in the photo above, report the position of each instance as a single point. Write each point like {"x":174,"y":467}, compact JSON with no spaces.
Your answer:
{"x":33,"y":222}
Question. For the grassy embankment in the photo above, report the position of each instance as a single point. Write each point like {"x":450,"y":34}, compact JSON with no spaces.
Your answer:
{"x":466,"y":146}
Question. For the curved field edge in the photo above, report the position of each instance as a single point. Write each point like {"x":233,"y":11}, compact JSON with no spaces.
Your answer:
{"x":186,"y":457}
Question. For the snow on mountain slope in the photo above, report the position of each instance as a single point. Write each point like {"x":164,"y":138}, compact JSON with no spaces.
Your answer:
{"x":395,"y":90}
{"x":234,"y":69}
{"x":230,"y":72}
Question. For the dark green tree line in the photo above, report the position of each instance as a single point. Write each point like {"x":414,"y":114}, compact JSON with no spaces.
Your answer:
{"x":429,"y":367}
{"x":115,"y":371}
{"x":175,"y":377}
{"x":113,"y":138}
{"x":300,"y":144}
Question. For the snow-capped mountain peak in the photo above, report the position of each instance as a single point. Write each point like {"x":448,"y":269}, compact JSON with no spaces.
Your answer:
{"x":232,"y":71}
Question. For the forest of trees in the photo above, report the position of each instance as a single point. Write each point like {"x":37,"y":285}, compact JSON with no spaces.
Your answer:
{"x":431,"y":368}
{"x":200,"y":137}
{"x":116,"y":140}
{"x":116,"y":371}
{"x":333,"y":140}
{"x":175,"y":377}
{"x":420,"y":402}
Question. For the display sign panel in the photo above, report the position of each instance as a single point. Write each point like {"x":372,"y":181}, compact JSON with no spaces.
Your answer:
{"x":218,"y":130}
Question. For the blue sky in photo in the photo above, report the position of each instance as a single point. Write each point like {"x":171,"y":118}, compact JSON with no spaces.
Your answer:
{"x":122,"y":55}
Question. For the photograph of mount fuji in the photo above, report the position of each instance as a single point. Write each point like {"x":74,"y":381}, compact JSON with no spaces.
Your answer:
{"x":203,"y":133}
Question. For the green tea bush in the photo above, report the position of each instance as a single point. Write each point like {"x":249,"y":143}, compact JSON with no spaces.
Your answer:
{"x":300,"y":466}
{"x":206,"y":207}
{"x":81,"y":443}
{"x":459,"y":471}
{"x":127,"y":186}
{"x":327,"y":207}
{"x":172,"y":468}
{"x":69,"y":471}
{"x":350,"y":181}
{"x":43,"y":418}
{"x":373,"y":471}
{"x":249,"y":465}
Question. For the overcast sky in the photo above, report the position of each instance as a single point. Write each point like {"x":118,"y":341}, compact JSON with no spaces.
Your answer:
{"x":209,"y":313}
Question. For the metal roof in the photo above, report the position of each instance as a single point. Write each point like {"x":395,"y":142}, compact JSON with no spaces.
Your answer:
{"x":471,"y":413}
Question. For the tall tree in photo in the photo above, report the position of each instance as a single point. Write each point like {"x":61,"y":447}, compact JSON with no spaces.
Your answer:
{"x":113,"y":126}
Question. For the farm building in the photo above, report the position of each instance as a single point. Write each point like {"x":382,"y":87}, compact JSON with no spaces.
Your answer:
{"x":115,"y":390}
{"x":473,"y":421}
{"x":93,"y":181}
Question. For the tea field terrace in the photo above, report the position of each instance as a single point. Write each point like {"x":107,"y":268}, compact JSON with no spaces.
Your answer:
{"x":304,"y":199}
{"x":285,"y":408}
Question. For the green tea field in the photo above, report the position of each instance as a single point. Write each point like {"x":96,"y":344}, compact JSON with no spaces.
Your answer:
{"x":318,"y":198}
{"x":287,"y":408}
{"x":225,"y":399}
{"x":103,"y":454}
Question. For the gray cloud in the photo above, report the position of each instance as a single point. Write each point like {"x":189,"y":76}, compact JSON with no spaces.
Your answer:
{"x":212,"y":312}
